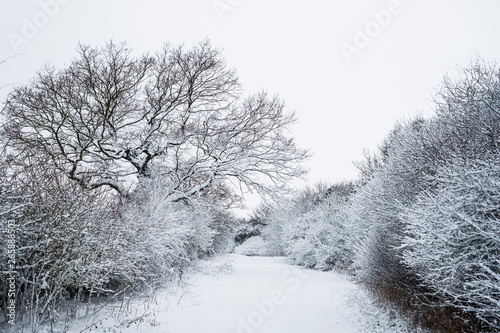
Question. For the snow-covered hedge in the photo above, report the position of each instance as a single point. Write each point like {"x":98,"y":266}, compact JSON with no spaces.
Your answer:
{"x":63,"y":249}
{"x":429,"y":205}
{"x":319,"y":239}
{"x":253,"y":246}
{"x":160,"y":237}
{"x":73,"y":244}
{"x":313,"y":231}
{"x":453,"y":238}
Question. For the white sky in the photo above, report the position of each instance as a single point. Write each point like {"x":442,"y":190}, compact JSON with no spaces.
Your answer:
{"x":291,"y":48}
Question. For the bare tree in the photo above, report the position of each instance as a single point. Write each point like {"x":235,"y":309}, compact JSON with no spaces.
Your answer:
{"x":109,"y":119}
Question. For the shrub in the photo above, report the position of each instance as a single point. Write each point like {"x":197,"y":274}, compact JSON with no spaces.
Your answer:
{"x":453,"y":239}
{"x":245,"y":231}
{"x":312,"y":230}
{"x":160,"y":237}
{"x":253,"y":246}
{"x":319,"y":238}
{"x":64,"y":247}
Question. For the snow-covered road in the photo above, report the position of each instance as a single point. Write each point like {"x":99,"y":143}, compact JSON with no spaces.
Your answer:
{"x":267,"y":295}
{"x":238,"y":294}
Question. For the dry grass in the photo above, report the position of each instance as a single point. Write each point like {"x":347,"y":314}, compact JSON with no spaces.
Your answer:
{"x":436,"y":319}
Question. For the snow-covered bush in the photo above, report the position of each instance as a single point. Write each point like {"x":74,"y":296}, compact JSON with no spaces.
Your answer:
{"x":408,"y":154}
{"x":468,"y":113}
{"x":160,"y":237}
{"x":253,"y":246}
{"x":245,"y":231}
{"x":62,"y":250}
{"x":424,"y":173}
{"x":223,"y":225}
{"x":319,"y":238}
{"x":73,"y":244}
{"x":272,"y":233}
{"x":312,"y":228}
{"x":453,"y":238}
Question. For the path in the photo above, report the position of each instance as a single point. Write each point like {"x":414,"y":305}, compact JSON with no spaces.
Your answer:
{"x":267,"y":295}
{"x":238,"y":294}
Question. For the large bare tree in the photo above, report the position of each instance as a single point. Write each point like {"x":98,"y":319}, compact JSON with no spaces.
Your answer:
{"x":111,"y":118}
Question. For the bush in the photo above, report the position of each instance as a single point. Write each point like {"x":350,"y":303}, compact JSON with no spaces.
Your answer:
{"x":313,"y":230}
{"x":74,"y":244}
{"x":453,"y":239}
{"x":64,"y":247}
{"x":253,"y":246}
{"x":319,"y":238}
{"x":160,"y":237}
{"x":245,"y":231}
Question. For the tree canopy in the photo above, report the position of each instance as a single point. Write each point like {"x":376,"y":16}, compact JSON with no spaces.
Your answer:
{"x":110,"y":118}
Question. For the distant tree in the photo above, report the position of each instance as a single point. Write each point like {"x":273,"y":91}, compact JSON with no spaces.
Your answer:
{"x":305,"y":199}
{"x":109,"y":119}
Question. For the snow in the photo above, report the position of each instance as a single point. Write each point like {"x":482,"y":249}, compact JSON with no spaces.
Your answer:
{"x":243,"y":294}
{"x":253,"y":246}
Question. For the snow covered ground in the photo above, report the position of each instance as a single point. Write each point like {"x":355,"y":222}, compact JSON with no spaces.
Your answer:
{"x":238,"y":294}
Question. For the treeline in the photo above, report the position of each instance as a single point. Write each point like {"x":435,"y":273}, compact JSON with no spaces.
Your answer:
{"x":421,"y":227}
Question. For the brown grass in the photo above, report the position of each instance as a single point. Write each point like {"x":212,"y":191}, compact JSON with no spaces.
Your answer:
{"x":437,"y":319}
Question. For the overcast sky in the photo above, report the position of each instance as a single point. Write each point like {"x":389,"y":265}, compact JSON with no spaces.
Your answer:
{"x":348,"y":68}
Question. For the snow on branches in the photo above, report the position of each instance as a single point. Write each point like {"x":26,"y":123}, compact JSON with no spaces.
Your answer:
{"x":109,"y":118}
